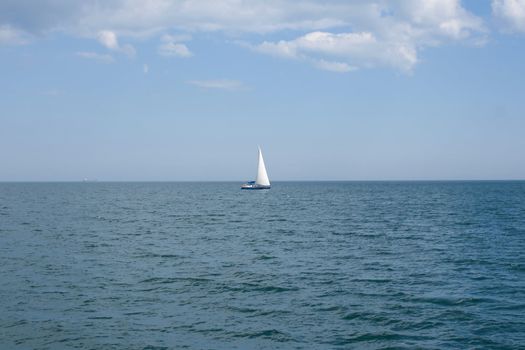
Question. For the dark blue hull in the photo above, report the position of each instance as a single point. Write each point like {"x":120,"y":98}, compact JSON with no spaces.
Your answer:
{"x":252,"y":187}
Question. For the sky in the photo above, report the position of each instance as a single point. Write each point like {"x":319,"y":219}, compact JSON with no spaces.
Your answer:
{"x":132,"y":90}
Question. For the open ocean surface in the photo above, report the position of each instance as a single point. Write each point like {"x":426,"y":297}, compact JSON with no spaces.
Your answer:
{"x":318,"y":265}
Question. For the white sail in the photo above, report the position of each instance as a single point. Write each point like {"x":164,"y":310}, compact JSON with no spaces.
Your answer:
{"x":262,"y":176}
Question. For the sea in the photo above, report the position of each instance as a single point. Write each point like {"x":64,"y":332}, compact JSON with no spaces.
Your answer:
{"x":305,"y":265}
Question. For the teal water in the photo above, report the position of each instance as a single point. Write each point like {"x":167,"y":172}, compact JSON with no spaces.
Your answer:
{"x":320,"y":265}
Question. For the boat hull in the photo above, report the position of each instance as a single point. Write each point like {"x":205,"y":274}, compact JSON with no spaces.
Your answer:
{"x":254,"y":187}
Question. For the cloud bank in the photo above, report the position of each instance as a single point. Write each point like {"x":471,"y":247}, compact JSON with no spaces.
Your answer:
{"x":511,"y":13}
{"x":333,"y":35}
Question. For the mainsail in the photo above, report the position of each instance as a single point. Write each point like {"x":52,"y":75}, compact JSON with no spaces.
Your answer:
{"x":262,"y":176}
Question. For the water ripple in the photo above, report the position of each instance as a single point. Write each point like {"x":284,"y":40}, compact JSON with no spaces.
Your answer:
{"x":337,"y":265}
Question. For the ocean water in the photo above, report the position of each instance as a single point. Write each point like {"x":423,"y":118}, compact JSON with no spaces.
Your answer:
{"x":319,"y":265}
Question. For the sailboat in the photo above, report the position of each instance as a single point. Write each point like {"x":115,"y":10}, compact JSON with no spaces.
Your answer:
{"x":261,"y":181}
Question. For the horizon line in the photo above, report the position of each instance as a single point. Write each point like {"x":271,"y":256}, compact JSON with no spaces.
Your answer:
{"x":241,"y":181}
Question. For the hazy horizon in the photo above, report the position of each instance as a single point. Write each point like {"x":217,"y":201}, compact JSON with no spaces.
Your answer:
{"x":243,"y":180}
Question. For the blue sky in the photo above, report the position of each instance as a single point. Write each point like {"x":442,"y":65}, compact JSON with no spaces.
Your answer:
{"x":332,"y":90}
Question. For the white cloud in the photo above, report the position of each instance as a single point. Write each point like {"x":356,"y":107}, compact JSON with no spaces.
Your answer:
{"x":359,"y":50}
{"x":143,"y":18}
{"x":222,"y":84}
{"x":390,"y":35}
{"x":109,"y":40}
{"x":145,"y":68}
{"x":437,"y":19}
{"x":171,"y":46}
{"x":510,"y":13}
{"x":12,"y":36}
{"x":320,"y":42}
{"x":173,"y":49}
{"x":399,"y":28}
{"x":339,"y":67}
{"x":102,"y":58}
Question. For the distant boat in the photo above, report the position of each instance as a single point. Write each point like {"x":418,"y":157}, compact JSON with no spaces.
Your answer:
{"x":261,"y":181}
